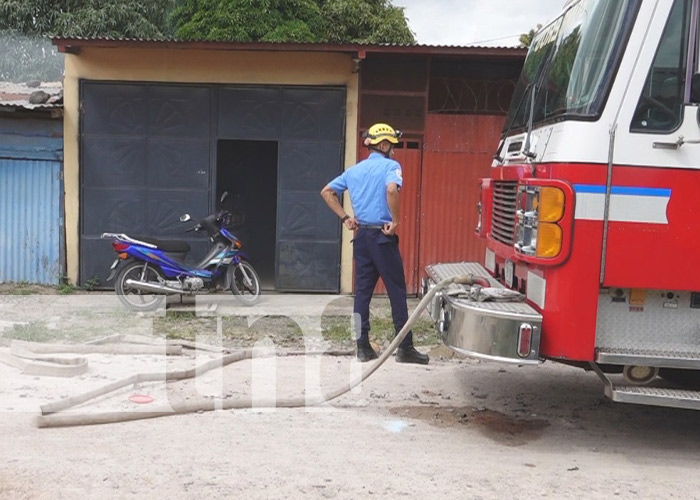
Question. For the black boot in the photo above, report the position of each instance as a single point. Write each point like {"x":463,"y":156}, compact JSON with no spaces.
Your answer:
{"x":410,"y":355}
{"x":365,"y":352}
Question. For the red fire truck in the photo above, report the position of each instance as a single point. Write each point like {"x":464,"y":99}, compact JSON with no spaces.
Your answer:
{"x":591,"y":214}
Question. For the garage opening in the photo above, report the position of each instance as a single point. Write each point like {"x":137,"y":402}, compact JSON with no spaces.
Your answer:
{"x":248,"y":171}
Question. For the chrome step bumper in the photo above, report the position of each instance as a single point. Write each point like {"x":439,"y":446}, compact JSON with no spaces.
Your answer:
{"x":642,"y":357}
{"x":497,"y":331}
{"x":646,"y":395}
{"x":674,"y":398}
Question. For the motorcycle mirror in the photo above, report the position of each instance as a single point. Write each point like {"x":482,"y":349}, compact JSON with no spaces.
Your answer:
{"x":223,"y":196}
{"x":185,"y":218}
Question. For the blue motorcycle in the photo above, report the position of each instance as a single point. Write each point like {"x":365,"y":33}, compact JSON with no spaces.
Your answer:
{"x":147,"y":269}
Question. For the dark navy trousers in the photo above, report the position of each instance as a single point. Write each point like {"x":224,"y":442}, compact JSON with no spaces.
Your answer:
{"x":377,"y":255}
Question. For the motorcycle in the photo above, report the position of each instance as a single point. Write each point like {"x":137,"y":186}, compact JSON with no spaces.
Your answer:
{"x":147,"y":268}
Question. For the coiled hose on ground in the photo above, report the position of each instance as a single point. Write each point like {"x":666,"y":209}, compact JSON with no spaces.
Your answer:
{"x":51,"y":416}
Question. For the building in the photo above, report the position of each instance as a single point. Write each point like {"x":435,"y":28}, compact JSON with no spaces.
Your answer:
{"x":154,"y":129}
{"x":31,"y":186}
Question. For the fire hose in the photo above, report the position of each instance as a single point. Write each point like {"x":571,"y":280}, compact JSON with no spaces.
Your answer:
{"x":51,"y":415}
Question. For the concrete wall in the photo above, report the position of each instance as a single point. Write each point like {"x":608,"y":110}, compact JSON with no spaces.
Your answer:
{"x":198,"y":66}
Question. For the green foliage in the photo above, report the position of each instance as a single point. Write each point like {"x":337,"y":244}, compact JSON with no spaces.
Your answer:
{"x":338,"y":330}
{"x":365,"y":21}
{"x":424,"y":332}
{"x":34,"y":331}
{"x":66,"y":287}
{"x":91,"y":284}
{"x":560,"y":73}
{"x":27,"y":55}
{"x":334,"y":21}
{"x":526,"y":38}
{"x":20,"y":289}
{"x":248,"y":20}
{"x":107,"y":18}
{"x":26,"y":58}
{"x":26,"y":24}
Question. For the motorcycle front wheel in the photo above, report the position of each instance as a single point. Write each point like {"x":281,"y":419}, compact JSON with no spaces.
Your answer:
{"x":133,"y":298}
{"x":245,"y":284}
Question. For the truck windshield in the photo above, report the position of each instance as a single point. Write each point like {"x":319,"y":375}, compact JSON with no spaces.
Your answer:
{"x":572,"y":61}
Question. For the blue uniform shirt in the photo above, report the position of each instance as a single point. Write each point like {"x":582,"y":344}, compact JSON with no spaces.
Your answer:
{"x":367,"y":182}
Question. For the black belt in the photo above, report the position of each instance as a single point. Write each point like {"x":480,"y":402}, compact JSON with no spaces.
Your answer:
{"x":369,"y":226}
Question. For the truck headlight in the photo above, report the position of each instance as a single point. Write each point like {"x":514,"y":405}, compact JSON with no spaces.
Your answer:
{"x":537,"y":233}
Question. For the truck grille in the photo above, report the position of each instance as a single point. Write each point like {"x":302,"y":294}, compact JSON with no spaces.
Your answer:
{"x":505,"y":201}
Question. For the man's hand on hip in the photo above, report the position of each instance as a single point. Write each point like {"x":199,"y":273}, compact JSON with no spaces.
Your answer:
{"x":390,"y":228}
{"x":351,"y":223}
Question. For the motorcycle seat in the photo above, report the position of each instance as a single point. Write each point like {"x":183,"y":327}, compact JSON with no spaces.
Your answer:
{"x":173,"y":246}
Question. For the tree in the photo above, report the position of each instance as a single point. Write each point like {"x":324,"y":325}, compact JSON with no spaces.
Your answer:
{"x":248,"y":20}
{"x":87,"y":18}
{"x":24,"y":24}
{"x":335,"y":21}
{"x":366,"y":21}
{"x":26,"y":58}
{"x":526,"y":38}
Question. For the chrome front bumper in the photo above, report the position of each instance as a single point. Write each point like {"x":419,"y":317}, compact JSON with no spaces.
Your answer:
{"x":498,"y":331}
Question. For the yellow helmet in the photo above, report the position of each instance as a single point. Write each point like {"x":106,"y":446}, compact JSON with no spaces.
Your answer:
{"x":381,"y":132}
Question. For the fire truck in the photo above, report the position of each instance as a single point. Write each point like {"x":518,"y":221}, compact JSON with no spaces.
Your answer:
{"x":591,"y":212}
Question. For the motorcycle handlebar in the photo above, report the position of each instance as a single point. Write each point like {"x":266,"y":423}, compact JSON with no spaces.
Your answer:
{"x":212,"y":223}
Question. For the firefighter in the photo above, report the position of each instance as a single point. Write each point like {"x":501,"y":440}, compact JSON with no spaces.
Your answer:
{"x":374,"y":186}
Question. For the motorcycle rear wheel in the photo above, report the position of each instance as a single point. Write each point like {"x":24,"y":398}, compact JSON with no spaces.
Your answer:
{"x":245,"y":284}
{"x":135,"y":299}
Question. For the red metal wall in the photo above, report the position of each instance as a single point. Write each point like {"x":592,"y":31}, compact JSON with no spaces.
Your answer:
{"x":410,"y":160}
{"x":458,"y":151}
{"x":440,"y":192}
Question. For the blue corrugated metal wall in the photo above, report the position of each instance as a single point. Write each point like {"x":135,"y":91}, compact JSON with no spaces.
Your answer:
{"x":30,"y":221}
{"x":31,"y":202}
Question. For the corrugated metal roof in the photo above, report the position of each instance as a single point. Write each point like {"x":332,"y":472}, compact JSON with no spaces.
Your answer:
{"x":74,"y":44}
{"x":37,"y":95}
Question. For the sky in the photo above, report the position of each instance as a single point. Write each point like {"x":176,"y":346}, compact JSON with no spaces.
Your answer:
{"x":476,"y":22}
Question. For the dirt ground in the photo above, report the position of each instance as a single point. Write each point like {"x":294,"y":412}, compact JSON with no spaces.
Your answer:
{"x":455,"y":428}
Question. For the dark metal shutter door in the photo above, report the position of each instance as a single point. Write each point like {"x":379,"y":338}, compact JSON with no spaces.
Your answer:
{"x":311,"y":154}
{"x":145,"y":159}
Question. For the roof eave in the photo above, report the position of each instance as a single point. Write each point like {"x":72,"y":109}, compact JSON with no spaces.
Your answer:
{"x":74,"y":46}
{"x":51,"y":111}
